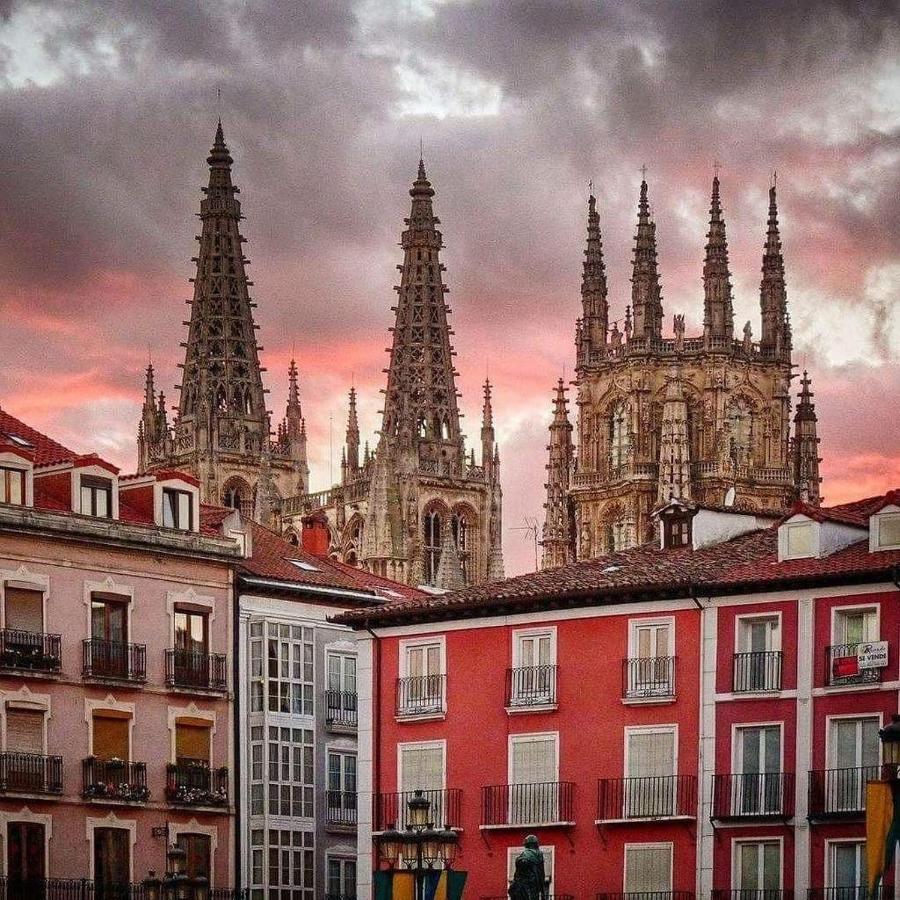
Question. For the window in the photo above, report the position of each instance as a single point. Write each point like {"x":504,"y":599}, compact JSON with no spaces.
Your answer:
{"x":431,"y":532}
{"x":650,"y":765}
{"x":191,"y":630}
{"x":288,"y":669}
{"x":178,"y":509}
{"x":648,"y":868}
{"x":23,"y":610}
{"x":198,"y":854}
{"x":96,"y":496}
{"x":291,"y":773}
{"x":110,"y":736}
{"x":888,"y":527}
{"x":257,"y":691}
{"x":191,"y":664}
{"x":112,"y":859}
{"x":109,"y":655}
{"x":533,"y":774}
{"x":533,"y":676}
{"x":341,"y":701}
{"x":257,"y":770}
{"x":291,"y":869}
{"x":799,"y":540}
{"x":12,"y":486}
{"x":24,"y":730}
{"x":650,"y":670}
{"x":852,"y":627}
{"x":341,"y":796}
{"x":462,"y":529}
{"x":740,"y":427}
{"x":676,"y":531}
{"x":24,"y":741}
{"x":421,"y":689}
{"x":846,"y":869}
{"x":853,"y":759}
{"x":26,"y":853}
{"x":618,"y":436}
{"x":757,"y":866}
{"x":192,"y":743}
{"x":340,"y":878}
{"x":421,"y":768}
{"x":757,"y":663}
{"x":758,"y":787}
{"x":855,"y":626}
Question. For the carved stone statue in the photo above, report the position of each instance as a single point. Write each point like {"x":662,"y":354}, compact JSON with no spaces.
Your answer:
{"x":529,"y":881}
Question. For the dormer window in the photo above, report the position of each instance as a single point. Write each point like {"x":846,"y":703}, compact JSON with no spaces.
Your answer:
{"x":799,"y":540}
{"x":12,"y":486}
{"x":676,"y":531}
{"x":96,"y":496}
{"x":886,"y":531}
{"x":178,"y":509}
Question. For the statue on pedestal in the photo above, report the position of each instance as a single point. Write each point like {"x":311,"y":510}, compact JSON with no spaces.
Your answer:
{"x":529,"y":881}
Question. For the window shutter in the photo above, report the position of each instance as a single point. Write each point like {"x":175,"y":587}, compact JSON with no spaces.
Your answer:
{"x":192,"y":741}
{"x":651,"y":754}
{"x":648,"y":870}
{"x":197,"y":848}
{"x":110,"y":737}
{"x":533,"y":761}
{"x":25,"y":730}
{"x":421,"y":769}
{"x":24,"y":610}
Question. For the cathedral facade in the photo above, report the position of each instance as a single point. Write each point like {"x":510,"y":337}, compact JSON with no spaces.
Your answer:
{"x":222,"y":432}
{"x":419,"y":509}
{"x":704,"y":418}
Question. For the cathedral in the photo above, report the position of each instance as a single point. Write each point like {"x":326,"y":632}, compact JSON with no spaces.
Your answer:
{"x":418,"y":509}
{"x":704,"y":419}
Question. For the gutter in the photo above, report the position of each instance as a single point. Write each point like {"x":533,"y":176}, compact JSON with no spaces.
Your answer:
{"x":376,"y":719}
{"x":295,"y":587}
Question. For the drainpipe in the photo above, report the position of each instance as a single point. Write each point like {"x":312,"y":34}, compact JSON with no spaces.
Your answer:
{"x":236,"y":729}
{"x":376,"y":718}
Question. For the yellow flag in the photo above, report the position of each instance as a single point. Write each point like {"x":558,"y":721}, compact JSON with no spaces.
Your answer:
{"x":403,"y":885}
{"x":879,"y":816}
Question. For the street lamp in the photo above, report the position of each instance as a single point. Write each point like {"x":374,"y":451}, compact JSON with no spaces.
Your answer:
{"x":423,"y":847}
{"x":175,"y":884}
{"x":890,"y":742}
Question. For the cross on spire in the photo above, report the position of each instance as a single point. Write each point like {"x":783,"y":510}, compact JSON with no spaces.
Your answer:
{"x":643,"y":172}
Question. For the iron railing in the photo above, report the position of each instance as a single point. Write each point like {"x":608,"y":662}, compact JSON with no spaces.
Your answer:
{"x":647,"y":677}
{"x":531,"y":686}
{"x":860,"y":892}
{"x":753,"y":796}
{"x":340,"y":897}
{"x":114,"y":779}
{"x":549,"y":897}
{"x":86,"y":889}
{"x":652,"y":797}
{"x":191,"y":782}
{"x":757,"y":671}
{"x":340,"y":808}
{"x":752,"y":894}
{"x":341,"y":709}
{"x":114,"y":660}
{"x":421,"y":695}
{"x":30,"y":773}
{"x":841,"y":666}
{"x":196,"y":669}
{"x":390,"y":809}
{"x":648,"y":895}
{"x":837,"y":793}
{"x":527,"y":804}
{"x":30,"y":650}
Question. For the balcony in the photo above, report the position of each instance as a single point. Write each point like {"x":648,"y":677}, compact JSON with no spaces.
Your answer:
{"x":191,"y":782}
{"x":528,"y":687}
{"x":768,"y":795}
{"x":549,"y":897}
{"x":648,"y":895}
{"x":861,"y":892}
{"x":341,"y":709}
{"x":85,"y":889}
{"x":650,"y":798}
{"x":842,"y":667}
{"x":521,"y":805}
{"x":30,"y":651}
{"x":390,"y":809}
{"x":756,"y":671}
{"x":648,"y":678}
{"x":340,"y":809}
{"x":196,"y":670}
{"x":114,"y":661}
{"x":114,"y":779}
{"x":30,"y":773}
{"x":840,"y":793}
{"x":752,"y":894}
{"x":421,"y":696}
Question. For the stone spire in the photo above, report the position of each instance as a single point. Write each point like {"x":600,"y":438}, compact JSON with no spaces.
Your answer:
{"x":488,"y":442}
{"x":674,"y":447}
{"x":153,"y":429}
{"x":806,"y":446}
{"x":292,"y":430}
{"x":718,"y":313}
{"x":775,"y":340}
{"x":594,"y":303}
{"x":558,"y":531}
{"x":646,"y":298}
{"x":420,"y":407}
{"x":352,"y":441}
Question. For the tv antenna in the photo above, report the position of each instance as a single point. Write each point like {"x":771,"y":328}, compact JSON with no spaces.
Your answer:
{"x":531,"y":530}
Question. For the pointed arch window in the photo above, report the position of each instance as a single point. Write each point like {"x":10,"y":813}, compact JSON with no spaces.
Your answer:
{"x":740,"y":429}
{"x":619,"y":437}
{"x":461,"y":526}
{"x":432,"y":526}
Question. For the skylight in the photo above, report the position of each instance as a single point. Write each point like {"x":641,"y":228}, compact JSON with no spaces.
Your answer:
{"x":19,"y":441}
{"x":300,"y":564}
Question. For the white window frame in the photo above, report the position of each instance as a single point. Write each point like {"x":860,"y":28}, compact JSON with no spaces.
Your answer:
{"x":736,"y":753}
{"x":28,"y":703}
{"x":531,"y":737}
{"x":412,"y":643}
{"x":549,"y":854}
{"x":518,"y":633}
{"x":634,"y":624}
{"x":25,"y":581}
{"x":340,"y":857}
{"x":784,"y":539}
{"x":854,"y":607}
{"x":889,"y":512}
{"x":651,"y":845}
{"x":759,"y":839}
{"x":650,"y":729}
{"x":843,"y":717}
{"x":830,"y":843}
{"x":757,"y":616}
{"x":421,"y":745}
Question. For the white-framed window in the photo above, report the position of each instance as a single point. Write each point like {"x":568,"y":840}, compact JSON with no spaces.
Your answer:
{"x":845,"y":868}
{"x":257,"y":770}
{"x":853,"y":758}
{"x":648,"y":868}
{"x":850,"y":627}
{"x":281,"y":668}
{"x":421,"y":690}
{"x":651,"y":656}
{"x":884,"y":530}
{"x":340,"y":698}
{"x":422,"y":766}
{"x":534,"y":778}
{"x":533,"y":675}
{"x":340,"y":877}
{"x":96,"y":496}
{"x":651,"y":761}
{"x":757,"y":865}
{"x":12,"y":486}
{"x":340,"y":797}
{"x":757,"y":660}
{"x":799,"y":540}
{"x":178,"y":509}
{"x":290,"y":871}
{"x":290,"y":779}
{"x":549,"y":854}
{"x":758,"y":785}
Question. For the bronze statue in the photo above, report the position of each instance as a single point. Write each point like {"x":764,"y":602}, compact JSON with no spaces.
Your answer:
{"x":529,"y":881}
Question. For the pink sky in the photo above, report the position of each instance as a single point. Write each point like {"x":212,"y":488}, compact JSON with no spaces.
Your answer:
{"x":108,"y":120}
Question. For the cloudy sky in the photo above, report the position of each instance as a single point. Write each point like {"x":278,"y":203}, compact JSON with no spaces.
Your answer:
{"x":108,"y":110}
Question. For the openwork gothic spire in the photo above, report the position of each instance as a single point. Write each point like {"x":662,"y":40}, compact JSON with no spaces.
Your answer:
{"x":558,"y":532}
{"x":806,"y":446}
{"x":646,"y":296}
{"x":718,"y":312}
{"x":594,"y":303}
{"x":352,"y":440}
{"x":776,"y":337}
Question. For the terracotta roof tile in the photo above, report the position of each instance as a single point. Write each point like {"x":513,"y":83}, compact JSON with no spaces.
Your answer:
{"x":44,"y":449}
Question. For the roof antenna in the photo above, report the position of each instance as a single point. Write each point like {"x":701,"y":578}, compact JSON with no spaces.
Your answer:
{"x":531,"y":531}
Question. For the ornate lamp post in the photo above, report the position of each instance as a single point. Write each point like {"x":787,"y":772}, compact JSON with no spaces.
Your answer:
{"x":175,"y":884}
{"x":890,"y":742}
{"x":422,"y":847}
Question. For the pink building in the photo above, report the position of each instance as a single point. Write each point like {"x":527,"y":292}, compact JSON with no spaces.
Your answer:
{"x":116,"y":711}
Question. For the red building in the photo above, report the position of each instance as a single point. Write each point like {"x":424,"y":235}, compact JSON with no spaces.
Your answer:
{"x":678,"y":720}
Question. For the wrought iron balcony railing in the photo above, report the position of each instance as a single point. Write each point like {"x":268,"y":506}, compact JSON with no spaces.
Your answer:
{"x":390,"y":809}
{"x":752,"y":894}
{"x":114,"y":660}
{"x":114,"y":779}
{"x":191,"y":782}
{"x":340,"y":808}
{"x":842,"y":667}
{"x":531,"y":686}
{"x":30,"y":773}
{"x":648,"y":677}
{"x":85,"y":889}
{"x":30,"y":651}
{"x":753,"y":796}
{"x":341,"y":709}
{"x":196,"y":670}
{"x":757,"y":671}
{"x":549,"y":802}
{"x":648,"y":895}
{"x":840,"y":793}
{"x":421,"y":695}
{"x":860,"y":892}
{"x":656,"y":797}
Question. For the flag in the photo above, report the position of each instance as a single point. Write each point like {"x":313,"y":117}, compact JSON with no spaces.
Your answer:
{"x":400,"y":885}
{"x":882,"y":830}
{"x":391,"y":885}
